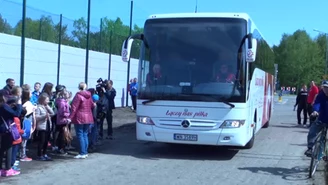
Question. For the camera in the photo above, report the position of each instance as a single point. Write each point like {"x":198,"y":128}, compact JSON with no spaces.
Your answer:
{"x":101,"y":84}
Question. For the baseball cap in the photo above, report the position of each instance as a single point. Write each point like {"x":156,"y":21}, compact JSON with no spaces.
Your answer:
{"x":324,"y":83}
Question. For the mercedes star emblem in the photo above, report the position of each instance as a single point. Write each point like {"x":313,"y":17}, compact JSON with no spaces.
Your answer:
{"x":185,"y":124}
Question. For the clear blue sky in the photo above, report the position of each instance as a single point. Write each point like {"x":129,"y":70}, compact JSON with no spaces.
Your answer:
{"x":273,"y":18}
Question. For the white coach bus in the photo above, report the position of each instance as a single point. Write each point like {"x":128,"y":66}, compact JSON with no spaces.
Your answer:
{"x":203,"y":79}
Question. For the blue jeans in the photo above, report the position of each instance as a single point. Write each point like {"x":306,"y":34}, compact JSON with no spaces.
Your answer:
{"x":94,"y":134}
{"x":15,"y":149}
{"x":315,"y":128}
{"x":81,"y":131}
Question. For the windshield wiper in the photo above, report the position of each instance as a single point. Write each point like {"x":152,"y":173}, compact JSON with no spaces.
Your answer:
{"x":149,"y":101}
{"x":227,"y":103}
{"x":157,"y":98}
{"x":221,"y":99}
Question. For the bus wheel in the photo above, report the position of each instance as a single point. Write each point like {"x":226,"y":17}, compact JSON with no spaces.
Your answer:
{"x":250,"y":143}
{"x":266,"y":125}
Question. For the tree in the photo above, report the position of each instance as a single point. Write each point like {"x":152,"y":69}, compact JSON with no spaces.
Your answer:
{"x":80,"y":32}
{"x":5,"y":26}
{"x":65,"y":38}
{"x":109,"y":39}
{"x":47,"y":29}
{"x":32,"y":29}
{"x":299,"y":59}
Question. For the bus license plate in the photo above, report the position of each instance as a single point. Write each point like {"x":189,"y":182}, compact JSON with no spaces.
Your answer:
{"x":185,"y":137}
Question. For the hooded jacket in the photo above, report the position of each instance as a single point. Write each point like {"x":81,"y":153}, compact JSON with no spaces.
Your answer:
{"x":42,"y":120}
{"x":63,"y":111}
{"x":81,"y":108}
{"x":7,"y":90}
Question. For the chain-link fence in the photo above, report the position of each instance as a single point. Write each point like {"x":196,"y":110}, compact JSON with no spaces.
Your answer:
{"x":107,"y":37}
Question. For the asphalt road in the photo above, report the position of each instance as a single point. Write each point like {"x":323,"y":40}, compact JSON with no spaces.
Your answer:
{"x":276,"y":159}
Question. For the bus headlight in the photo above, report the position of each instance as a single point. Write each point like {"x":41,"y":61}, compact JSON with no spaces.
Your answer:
{"x":145,"y":120}
{"x":232,"y":123}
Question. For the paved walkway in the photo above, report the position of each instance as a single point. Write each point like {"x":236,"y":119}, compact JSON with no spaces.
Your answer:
{"x":276,"y":159}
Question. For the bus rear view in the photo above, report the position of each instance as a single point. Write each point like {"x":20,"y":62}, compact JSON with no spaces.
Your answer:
{"x":193,"y":80}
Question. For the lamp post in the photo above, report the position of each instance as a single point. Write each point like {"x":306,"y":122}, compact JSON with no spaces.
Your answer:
{"x":326,"y":35}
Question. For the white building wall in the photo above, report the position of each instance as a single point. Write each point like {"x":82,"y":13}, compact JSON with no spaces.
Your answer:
{"x":41,"y":65}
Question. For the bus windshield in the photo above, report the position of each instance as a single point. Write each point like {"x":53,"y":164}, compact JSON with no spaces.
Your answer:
{"x":192,"y":59}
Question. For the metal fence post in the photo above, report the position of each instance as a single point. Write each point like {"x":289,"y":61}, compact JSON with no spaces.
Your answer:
{"x":87,"y":47}
{"x":59,"y":46}
{"x":326,"y":53}
{"x":128,"y":70}
{"x":100,"y":35}
{"x":110,"y":53}
{"x":22,"y":64}
{"x":40,"y":29}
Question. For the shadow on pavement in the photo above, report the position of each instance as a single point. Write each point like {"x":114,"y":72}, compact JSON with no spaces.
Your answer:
{"x":299,"y":173}
{"x":302,"y":131}
{"x":285,"y":125}
{"x":304,"y":144}
{"x":125,"y":144}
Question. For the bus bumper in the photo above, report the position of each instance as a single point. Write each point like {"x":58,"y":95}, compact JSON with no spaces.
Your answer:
{"x":218,"y":137}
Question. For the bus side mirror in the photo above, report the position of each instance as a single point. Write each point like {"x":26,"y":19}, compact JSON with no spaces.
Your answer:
{"x":126,"y":49}
{"x":251,"y":51}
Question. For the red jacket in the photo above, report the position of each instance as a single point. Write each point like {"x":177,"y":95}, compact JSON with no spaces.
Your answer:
{"x":313,"y":91}
{"x":81,"y":108}
{"x":18,"y":125}
{"x":229,"y":78}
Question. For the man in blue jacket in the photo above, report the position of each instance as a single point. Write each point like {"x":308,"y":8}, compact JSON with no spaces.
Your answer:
{"x":320,"y":108}
{"x":133,"y":93}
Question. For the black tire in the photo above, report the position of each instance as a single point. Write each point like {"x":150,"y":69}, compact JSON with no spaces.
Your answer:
{"x":266,"y":125}
{"x":251,"y":142}
{"x":314,"y":158}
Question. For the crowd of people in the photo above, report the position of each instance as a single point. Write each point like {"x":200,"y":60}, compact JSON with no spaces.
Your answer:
{"x":304,"y":103}
{"x":313,"y":103}
{"x":46,"y":117}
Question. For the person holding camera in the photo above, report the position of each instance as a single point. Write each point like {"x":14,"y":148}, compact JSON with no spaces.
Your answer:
{"x":109,"y":94}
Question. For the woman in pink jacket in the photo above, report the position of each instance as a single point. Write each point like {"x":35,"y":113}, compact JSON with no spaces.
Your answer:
{"x":81,"y":116}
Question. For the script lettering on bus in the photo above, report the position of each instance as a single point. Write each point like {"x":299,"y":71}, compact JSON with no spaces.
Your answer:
{"x":186,"y":114}
{"x":200,"y":114}
{"x":259,"y":81}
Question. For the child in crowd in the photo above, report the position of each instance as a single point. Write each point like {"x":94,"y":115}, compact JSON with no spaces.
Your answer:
{"x":69,"y":100}
{"x":93,"y":127}
{"x":16,"y":144}
{"x":43,"y":115}
{"x":63,"y":113}
{"x":28,"y":122}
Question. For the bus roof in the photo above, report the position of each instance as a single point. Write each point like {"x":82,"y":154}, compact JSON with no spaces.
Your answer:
{"x":209,"y":14}
{"x":187,"y":15}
